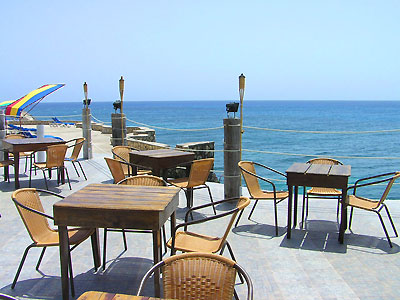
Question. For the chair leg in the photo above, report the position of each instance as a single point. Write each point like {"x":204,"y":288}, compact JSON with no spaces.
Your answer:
{"x":124,"y":239}
{"x":104,"y":248}
{"x":45,"y":180}
{"x":165,"y":241}
{"x":390,"y":219}
{"x":234,"y":259}
{"x":30,"y":176}
{"x":66,"y":172}
{"x":209,"y":192}
{"x":21,"y":264}
{"x":71,"y":275}
{"x":276,"y":218}
{"x":384,"y":229}
{"x":76,"y":170}
{"x":351,"y":217}
{"x":251,"y":212}
{"x":40,"y":258}
{"x":240,"y":215}
{"x":84,"y":175}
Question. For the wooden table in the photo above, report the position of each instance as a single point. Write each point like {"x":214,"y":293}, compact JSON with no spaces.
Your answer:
{"x":115,"y":206}
{"x":160,"y":160}
{"x":94,"y":295}
{"x":317,"y":175}
{"x":25,"y":145}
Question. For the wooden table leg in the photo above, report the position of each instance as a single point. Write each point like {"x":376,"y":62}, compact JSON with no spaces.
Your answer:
{"x":96,"y":249}
{"x":343,"y":216}
{"x":64,"y":260}
{"x":156,"y":259}
{"x":16,"y":169}
{"x":6,"y":168}
{"x":296,"y":196}
{"x":289,"y":214}
{"x":173,"y":225}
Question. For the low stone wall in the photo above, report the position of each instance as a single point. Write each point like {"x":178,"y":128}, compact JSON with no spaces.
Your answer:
{"x":145,"y":145}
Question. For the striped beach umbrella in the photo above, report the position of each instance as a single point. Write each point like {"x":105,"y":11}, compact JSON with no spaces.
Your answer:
{"x":29,"y":101}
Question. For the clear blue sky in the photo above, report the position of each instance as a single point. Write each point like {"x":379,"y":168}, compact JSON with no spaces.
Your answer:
{"x":195,"y":50}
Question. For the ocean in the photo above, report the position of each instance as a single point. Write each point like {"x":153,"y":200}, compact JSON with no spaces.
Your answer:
{"x":363,"y":134}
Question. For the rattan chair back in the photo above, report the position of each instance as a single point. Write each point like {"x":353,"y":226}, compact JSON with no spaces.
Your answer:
{"x":252,"y":183}
{"x":122,"y":153}
{"x":387,"y":189}
{"x":200,"y":276}
{"x":15,"y":136}
{"x":199,"y":172}
{"x":55,"y":155}
{"x":77,"y":148}
{"x":36,"y":225}
{"x":116,"y":169}
{"x":145,"y":180}
{"x":324,"y":161}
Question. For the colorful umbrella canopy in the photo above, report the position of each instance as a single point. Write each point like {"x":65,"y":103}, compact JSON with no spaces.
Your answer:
{"x":30,"y":100}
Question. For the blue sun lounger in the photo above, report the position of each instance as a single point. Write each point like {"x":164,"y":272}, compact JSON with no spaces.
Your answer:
{"x":57,"y":122}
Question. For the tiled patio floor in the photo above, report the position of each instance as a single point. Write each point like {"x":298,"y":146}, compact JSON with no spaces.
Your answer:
{"x":311,"y":265}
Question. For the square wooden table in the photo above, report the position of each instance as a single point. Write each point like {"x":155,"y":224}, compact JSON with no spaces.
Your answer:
{"x":160,"y":160}
{"x":317,"y":175}
{"x":115,"y":206}
{"x":25,"y":145}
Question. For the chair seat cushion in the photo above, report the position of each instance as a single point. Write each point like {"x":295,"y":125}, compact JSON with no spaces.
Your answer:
{"x":267,"y":195}
{"x":76,"y":236}
{"x":363,"y":203}
{"x":193,"y":242}
{"x":321,"y":191}
{"x":180,"y":182}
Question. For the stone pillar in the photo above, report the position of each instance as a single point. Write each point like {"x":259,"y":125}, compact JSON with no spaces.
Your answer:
{"x":118,"y":124}
{"x":2,"y":130}
{"x":41,"y":155}
{"x":231,"y":157}
{"x":87,"y":133}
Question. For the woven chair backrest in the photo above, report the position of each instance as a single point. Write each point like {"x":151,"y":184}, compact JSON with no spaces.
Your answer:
{"x":198,"y":276}
{"x":15,"y":136}
{"x":55,"y":155}
{"x":324,"y":161}
{"x":388,"y":187}
{"x":199,"y":171}
{"x":116,"y":170}
{"x":240,"y":205}
{"x":122,"y":152}
{"x":77,"y":148}
{"x":252,"y":183}
{"x":35,"y":224}
{"x":144,"y":180}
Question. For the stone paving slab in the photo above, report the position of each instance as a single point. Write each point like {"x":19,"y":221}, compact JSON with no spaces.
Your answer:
{"x":311,"y":265}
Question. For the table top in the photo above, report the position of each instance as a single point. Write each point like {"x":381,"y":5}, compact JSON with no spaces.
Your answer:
{"x":320,"y":169}
{"x":117,"y":206}
{"x":31,"y":144}
{"x":160,"y":158}
{"x":92,"y":295}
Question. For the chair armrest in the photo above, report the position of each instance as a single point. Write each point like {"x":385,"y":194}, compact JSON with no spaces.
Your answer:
{"x":51,"y":193}
{"x":262,"y":178}
{"x":357,"y":185}
{"x":32,"y":210}
{"x":190,"y":210}
{"x":268,"y":168}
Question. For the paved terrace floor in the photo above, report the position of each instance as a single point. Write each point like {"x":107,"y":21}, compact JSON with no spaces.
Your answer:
{"x":311,"y":265}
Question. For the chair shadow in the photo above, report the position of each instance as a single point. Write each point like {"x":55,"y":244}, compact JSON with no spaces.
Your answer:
{"x":321,"y":235}
{"x":122,"y":276}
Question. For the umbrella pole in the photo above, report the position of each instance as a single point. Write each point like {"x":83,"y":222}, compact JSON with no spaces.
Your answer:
{"x":121,"y":93}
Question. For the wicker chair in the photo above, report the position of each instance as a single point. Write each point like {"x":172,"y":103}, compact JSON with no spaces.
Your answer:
{"x":55,"y":156}
{"x":116,"y":169}
{"x":201,"y":276}
{"x":5,"y":164}
{"x":356,"y":201}
{"x":143,"y":180}
{"x":187,"y":241}
{"x":77,"y":146}
{"x":199,"y":171}
{"x":122,"y":153}
{"x":22,"y":155}
{"x":320,"y":192}
{"x":253,"y":186}
{"x":30,"y":208}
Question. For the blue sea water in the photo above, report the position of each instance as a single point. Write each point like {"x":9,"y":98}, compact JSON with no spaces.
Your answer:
{"x":367,"y":153}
